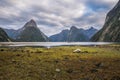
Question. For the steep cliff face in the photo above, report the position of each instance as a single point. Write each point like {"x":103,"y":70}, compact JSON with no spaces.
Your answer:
{"x":3,"y":36}
{"x":111,"y":29}
{"x":31,"y":33}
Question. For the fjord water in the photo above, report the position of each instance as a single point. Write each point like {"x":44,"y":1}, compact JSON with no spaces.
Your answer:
{"x":51,"y":44}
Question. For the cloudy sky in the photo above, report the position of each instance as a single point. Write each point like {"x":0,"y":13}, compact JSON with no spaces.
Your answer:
{"x":52,"y":16}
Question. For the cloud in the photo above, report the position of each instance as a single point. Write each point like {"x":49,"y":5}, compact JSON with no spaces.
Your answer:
{"x":54,"y":15}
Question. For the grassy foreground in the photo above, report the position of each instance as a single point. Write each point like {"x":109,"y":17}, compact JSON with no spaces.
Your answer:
{"x":60,"y":63}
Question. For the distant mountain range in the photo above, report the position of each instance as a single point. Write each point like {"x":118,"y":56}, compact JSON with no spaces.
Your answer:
{"x":60,"y":37}
{"x":111,"y":29}
{"x":73,"y":35}
{"x":31,"y":33}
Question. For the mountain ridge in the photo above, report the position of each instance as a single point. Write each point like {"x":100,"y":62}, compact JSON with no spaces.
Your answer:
{"x":73,"y":35}
{"x":111,"y":29}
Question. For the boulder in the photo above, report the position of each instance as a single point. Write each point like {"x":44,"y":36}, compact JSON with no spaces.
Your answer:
{"x":77,"y":51}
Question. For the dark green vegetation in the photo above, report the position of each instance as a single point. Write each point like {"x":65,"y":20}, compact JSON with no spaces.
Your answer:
{"x":60,"y":63}
{"x":111,"y":30}
{"x":3,"y":36}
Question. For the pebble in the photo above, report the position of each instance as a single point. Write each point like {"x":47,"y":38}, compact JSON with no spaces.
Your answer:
{"x":99,"y":64}
{"x":93,"y":70}
{"x":57,"y":70}
{"x":69,"y":70}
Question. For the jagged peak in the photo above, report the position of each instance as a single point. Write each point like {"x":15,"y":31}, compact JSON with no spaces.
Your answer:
{"x":65,"y":30}
{"x":73,"y":28}
{"x":31,"y":23}
{"x":32,"y":20}
{"x":91,"y":28}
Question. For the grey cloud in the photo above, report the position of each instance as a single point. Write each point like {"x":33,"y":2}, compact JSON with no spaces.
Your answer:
{"x":55,"y":13}
{"x":44,"y":22}
{"x":5,"y":3}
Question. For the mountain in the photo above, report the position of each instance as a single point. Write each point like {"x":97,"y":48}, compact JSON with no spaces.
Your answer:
{"x":60,"y":37}
{"x":73,"y":35}
{"x":111,"y":29}
{"x":31,"y":33}
{"x":12,"y":33}
{"x":76,"y":35}
{"x":90,"y":32}
{"x":3,"y":36}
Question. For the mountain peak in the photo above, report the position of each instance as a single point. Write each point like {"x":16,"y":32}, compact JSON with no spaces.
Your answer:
{"x":32,"y":20}
{"x":73,"y":28}
{"x":91,"y":28}
{"x":31,"y":23}
{"x":31,"y":33}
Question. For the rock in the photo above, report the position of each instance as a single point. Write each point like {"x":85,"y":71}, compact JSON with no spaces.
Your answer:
{"x":69,"y":70}
{"x":66,"y":58}
{"x":82,"y":60}
{"x":2,"y":50}
{"x":84,"y":79}
{"x":56,"y":61}
{"x":57,"y":70}
{"x":77,"y":51}
{"x":17,"y":54}
{"x":93,"y":70}
{"x":14,"y":61}
{"x":117,"y":60}
{"x":22,"y":50}
{"x":99,"y":78}
{"x":85,"y":51}
{"x":115,"y":78}
{"x":48,"y":47}
{"x":38,"y":51}
{"x":99,"y":64}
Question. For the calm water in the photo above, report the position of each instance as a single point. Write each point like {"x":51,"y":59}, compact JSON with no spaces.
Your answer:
{"x":51,"y":44}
